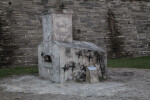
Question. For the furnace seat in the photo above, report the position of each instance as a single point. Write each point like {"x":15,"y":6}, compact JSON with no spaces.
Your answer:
{"x":60,"y":58}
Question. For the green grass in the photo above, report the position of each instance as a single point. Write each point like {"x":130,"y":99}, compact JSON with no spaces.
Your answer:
{"x":138,"y":62}
{"x":7,"y":72}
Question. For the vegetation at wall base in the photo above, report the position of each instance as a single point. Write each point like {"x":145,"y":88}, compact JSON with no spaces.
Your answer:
{"x":7,"y":72}
{"x":137,"y":62}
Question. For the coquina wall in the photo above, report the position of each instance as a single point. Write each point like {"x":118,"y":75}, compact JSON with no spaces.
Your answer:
{"x":122,"y":27}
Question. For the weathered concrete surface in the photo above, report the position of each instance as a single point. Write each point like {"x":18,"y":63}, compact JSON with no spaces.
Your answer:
{"x":61,"y":58}
{"x":57,"y":27}
{"x":124,"y":84}
{"x":69,"y":62}
{"x":92,"y":75}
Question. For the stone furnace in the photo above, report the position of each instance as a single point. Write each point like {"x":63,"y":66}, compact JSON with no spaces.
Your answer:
{"x":60,"y":58}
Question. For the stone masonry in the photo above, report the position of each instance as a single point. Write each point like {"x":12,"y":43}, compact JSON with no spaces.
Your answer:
{"x":121,"y":27}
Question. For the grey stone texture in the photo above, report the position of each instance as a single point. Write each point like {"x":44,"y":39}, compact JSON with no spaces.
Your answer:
{"x":61,"y":59}
{"x":58,"y":29}
{"x":21,"y":29}
{"x":92,"y":75}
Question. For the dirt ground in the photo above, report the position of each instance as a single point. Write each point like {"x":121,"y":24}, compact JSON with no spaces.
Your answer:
{"x":122,"y":84}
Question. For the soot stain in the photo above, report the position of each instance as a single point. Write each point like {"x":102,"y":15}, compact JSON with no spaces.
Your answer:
{"x":73,"y":66}
{"x":90,"y":57}
{"x":66,"y":67}
{"x":79,"y":54}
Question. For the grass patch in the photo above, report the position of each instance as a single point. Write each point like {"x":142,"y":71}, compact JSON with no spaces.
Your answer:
{"x":137,"y":62}
{"x":7,"y":72}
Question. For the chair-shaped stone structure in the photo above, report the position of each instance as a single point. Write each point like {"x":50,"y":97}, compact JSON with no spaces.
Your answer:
{"x":60,"y":58}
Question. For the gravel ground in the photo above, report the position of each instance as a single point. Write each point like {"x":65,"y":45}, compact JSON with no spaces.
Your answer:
{"x":122,"y":84}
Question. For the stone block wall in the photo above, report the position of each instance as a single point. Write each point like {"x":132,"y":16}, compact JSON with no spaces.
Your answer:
{"x":21,"y":30}
{"x":133,"y":20}
{"x":126,"y":33}
{"x":130,"y":21}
